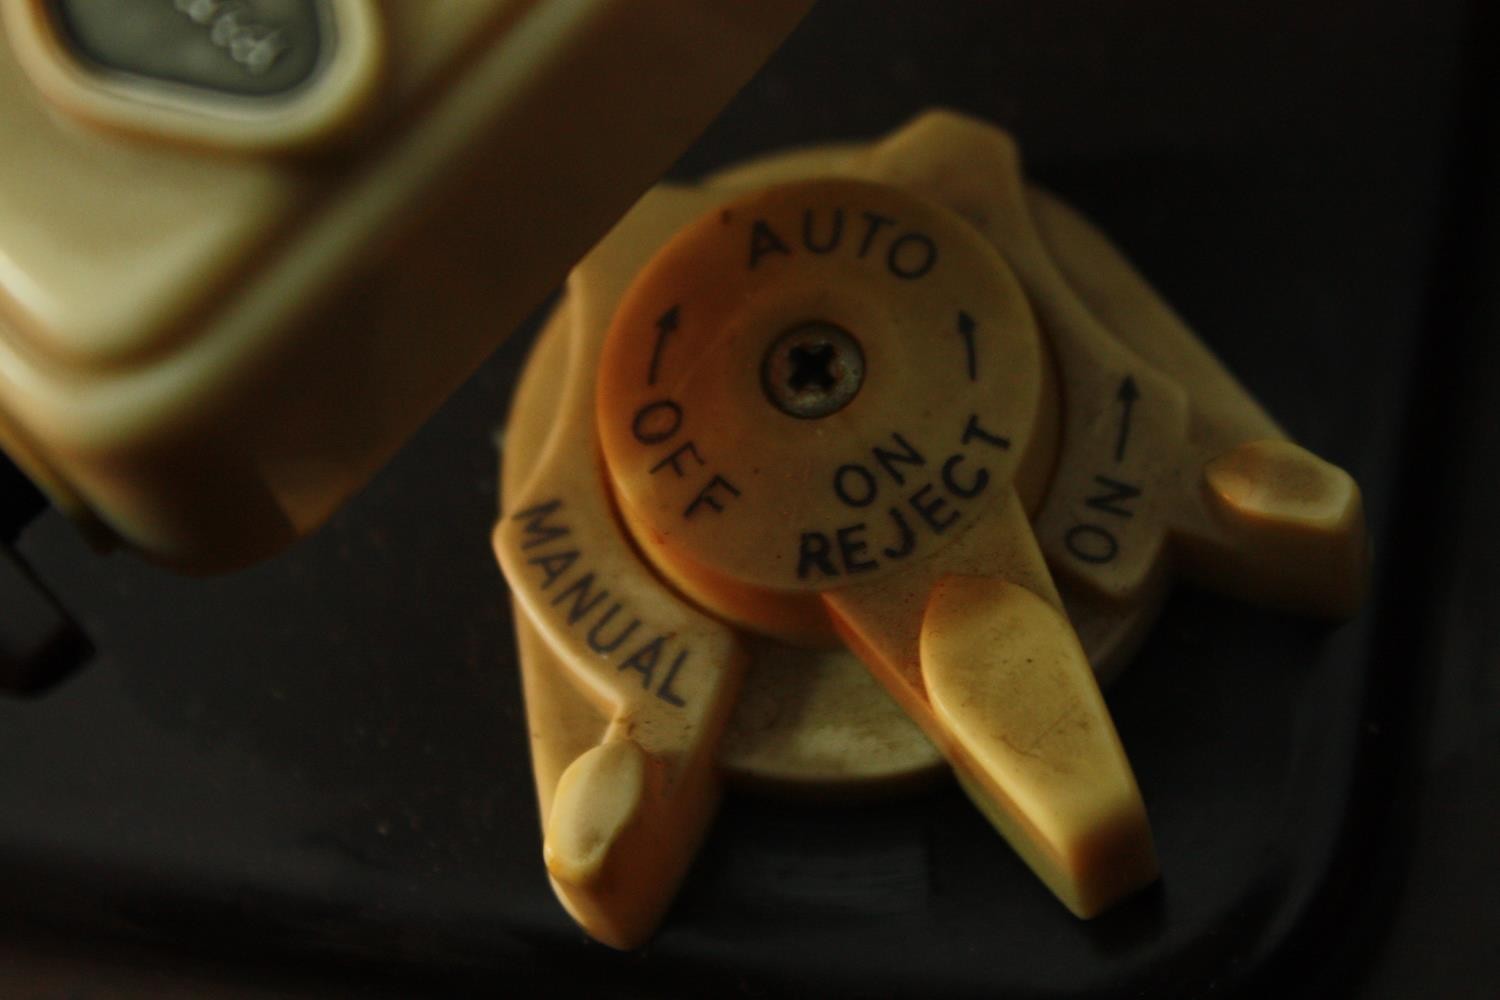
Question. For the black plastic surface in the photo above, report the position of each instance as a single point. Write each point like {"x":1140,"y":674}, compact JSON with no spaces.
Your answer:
{"x":324,"y":758}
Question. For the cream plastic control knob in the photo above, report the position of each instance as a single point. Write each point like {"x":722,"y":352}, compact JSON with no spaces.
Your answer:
{"x":817,"y":386}
{"x":824,"y":437}
{"x":849,"y":411}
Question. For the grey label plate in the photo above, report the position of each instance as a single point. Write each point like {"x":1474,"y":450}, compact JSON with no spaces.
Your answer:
{"x":242,"y":48}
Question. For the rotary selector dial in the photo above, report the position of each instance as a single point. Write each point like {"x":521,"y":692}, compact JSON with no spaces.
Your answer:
{"x":786,"y":484}
{"x":815,"y":386}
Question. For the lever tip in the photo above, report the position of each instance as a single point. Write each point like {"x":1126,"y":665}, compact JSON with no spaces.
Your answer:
{"x":1300,"y":522}
{"x":1034,"y":745}
{"x":597,"y":798}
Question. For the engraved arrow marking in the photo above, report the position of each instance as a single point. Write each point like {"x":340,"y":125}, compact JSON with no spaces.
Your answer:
{"x":966,"y":328}
{"x":1127,"y":396}
{"x":665,"y":325}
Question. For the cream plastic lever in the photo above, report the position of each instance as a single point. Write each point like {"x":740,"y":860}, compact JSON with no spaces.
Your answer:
{"x":1166,"y":461}
{"x":635,"y":684}
{"x":824,"y":440}
{"x":875,"y":408}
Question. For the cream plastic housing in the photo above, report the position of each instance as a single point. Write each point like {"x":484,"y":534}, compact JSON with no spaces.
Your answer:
{"x":205,"y":354}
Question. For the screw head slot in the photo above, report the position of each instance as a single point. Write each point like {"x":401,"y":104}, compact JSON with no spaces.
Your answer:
{"x":813,"y":370}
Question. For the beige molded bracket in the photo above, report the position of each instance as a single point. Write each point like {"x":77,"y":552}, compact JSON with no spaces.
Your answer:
{"x":204,"y":353}
{"x":870,"y":401}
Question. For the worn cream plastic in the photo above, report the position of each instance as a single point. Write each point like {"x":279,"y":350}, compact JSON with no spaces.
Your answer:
{"x":658,"y":675}
{"x":1017,"y":403}
{"x":206,"y":350}
{"x":1148,"y":410}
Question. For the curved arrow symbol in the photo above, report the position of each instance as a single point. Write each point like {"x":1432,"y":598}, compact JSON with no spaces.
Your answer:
{"x":1127,"y":396}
